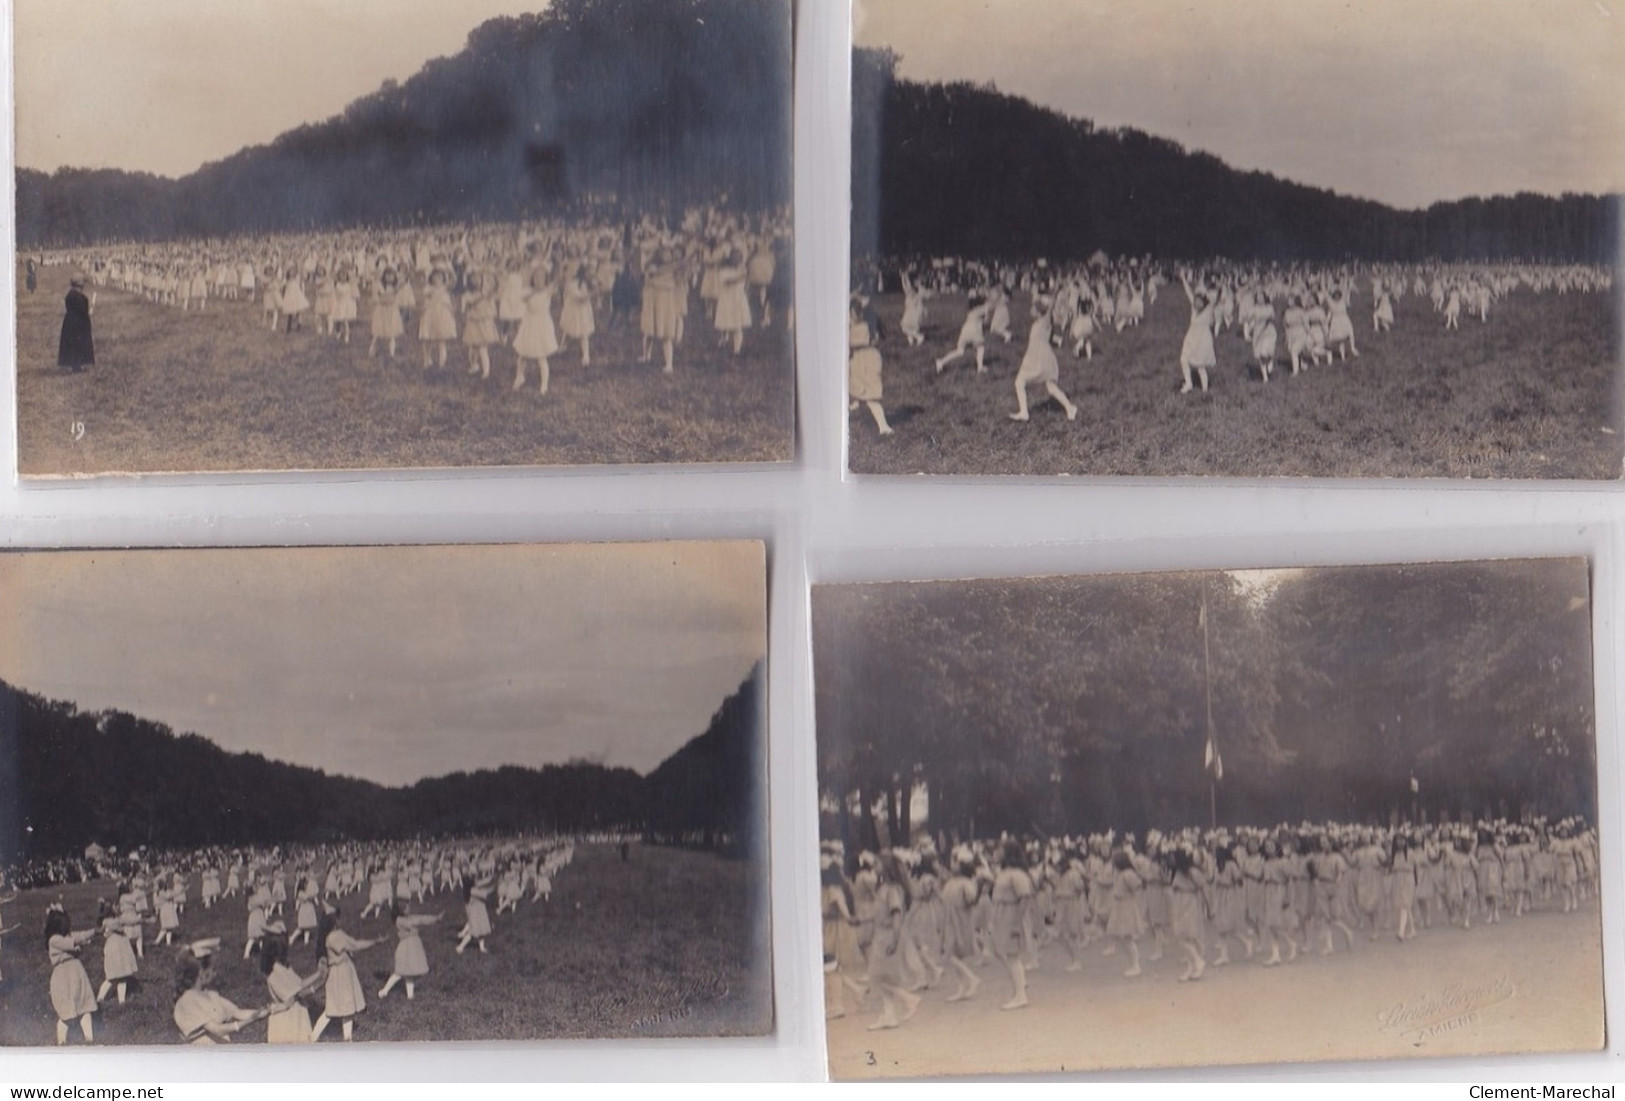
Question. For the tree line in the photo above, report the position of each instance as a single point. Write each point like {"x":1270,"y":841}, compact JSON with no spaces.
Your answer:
{"x":963,"y":170}
{"x":69,"y":778}
{"x":634,"y":104}
{"x":1079,"y":704}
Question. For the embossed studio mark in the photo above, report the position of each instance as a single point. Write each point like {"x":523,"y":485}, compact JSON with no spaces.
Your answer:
{"x":1454,"y":1007}
{"x":77,"y":428}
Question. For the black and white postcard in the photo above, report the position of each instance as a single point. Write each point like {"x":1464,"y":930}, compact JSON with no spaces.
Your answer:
{"x":347,"y":234}
{"x":1144,"y":237}
{"x":398,"y":793}
{"x":1191,"y":819}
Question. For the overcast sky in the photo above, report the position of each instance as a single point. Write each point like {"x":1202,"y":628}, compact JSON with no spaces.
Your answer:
{"x":1405,"y":101}
{"x":395,"y":664}
{"x":166,"y":86}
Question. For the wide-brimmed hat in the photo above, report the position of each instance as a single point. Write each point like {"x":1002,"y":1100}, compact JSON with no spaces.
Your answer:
{"x":203,"y":949}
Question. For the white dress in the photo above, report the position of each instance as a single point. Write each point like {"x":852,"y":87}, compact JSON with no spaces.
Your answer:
{"x":863,"y":369}
{"x":733,"y":305}
{"x":345,"y":998}
{"x":536,"y":338}
{"x":1198,"y":348}
{"x":1039,"y":364}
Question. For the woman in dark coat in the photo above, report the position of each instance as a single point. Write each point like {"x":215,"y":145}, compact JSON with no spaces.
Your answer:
{"x":77,"y":349}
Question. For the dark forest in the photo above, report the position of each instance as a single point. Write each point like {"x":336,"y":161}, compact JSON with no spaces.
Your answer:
{"x":69,"y":778}
{"x":963,"y":170}
{"x":1077,"y":704}
{"x":633,"y":105}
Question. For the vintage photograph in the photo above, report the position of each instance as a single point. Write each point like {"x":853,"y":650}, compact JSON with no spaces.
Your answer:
{"x":1195,"y":819}
{"x":298,"y":796}
{"x":1260,"y":238}
{"x":351,"y":234}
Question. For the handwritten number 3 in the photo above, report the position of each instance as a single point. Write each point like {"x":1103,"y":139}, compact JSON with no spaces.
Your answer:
{"x":871,"y":1056}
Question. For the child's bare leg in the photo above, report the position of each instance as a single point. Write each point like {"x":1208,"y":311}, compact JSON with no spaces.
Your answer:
{"x":1066,"y":403}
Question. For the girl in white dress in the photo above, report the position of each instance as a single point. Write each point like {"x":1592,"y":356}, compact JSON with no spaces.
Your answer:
{"x":1382,"y":314}
{"x":257,"y":923}
{"x":279,"y":891}
{"x":1296,"y":320}
{"x":886,"y":949}
{"x":135,"y":924}
{"x":1315,"y":325}
{"x":972,"y":333}
{"x":203,"y":1015}
{"x":437,"y":328}
{"x":510,"y":889}
{"x":1264,"y":342}
{"x":288,"y":1021}
{"x":511,"y":300}
{"x":1339,"y":328}
{"x":1082,"y":330}
{"x":999,"y":316}
{"x":1120,"y":306}
{"x":119,"y":964}
{"x":71,"y":993}
{"x":271,"y":301}
{"x":1012,"y":897}
{"x":733,"y":302}
{"x":575,"y":315}
{"x":346,"y":299}
{"x":380,"y":890}
{"x":294,"y":302}
{"x":863,"y":381}
{"x":169,"y":915}
{"x":1125,"y":913}
{"x":913,"y":323}
{"x":345,"y":998}
{"x":1196,"y":353}
{"x":304,"y":900}
{"x":411,"y":963}
{"x":407,"y":297}
{"x":321,"y":307}
{"x":478,"y":927}
{"x":842,"y":959}
{"x":760,"y":271}
{"x":661,"y":318}
{"x":198,"y":292}
{"x":1136,"y":303}
{"x":386,"y":314}
{"x":1188,"y":887}
{"x":480,"y":330}
{"x":536,"y":339}
{"x":960,"y":896}
{"x":1039,"y":365}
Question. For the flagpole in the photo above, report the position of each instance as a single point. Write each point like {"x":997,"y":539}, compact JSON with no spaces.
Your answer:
{"x":1207,"y":685}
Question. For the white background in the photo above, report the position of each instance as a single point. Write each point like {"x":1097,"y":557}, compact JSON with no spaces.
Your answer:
{"x":821,"y":526}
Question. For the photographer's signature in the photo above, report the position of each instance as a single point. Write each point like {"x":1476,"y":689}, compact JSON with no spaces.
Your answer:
{"x":699,"y":994}
{"x":1454,"y":1007}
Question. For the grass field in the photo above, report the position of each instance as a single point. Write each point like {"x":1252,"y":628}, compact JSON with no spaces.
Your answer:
{"x":672,"y":943}
{"x":1532,"y":394}
{"x":216,"y":391}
